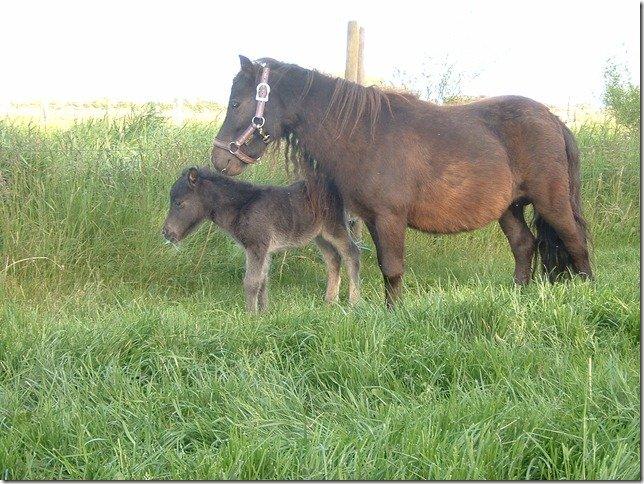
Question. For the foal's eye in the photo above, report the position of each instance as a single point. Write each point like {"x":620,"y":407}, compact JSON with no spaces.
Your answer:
{"x":234,"y":103}
{"x":178,"y":204}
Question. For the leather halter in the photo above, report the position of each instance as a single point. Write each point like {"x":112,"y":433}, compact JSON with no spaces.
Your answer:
{"x":256,"y":124}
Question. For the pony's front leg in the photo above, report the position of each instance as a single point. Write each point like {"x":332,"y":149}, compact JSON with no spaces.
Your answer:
{"x":388,"y":234}
{"x":257,"y":262}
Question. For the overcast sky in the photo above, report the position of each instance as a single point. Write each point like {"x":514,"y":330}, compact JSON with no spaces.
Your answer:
{"x":552,"y":51}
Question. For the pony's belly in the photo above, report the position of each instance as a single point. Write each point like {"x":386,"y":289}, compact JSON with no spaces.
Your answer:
{"x":468,"y":205}
{"x":446,"y":220}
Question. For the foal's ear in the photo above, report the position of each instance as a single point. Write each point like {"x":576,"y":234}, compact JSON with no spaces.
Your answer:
{"x":246,"y":65}
{"x":193,"y":175}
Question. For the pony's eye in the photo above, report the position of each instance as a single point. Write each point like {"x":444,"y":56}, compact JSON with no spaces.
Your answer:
{"x":178,"y":204}
{"x":234,"y":103}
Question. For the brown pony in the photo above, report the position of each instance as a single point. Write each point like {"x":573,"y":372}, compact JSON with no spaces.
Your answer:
{"x":401,"y":162}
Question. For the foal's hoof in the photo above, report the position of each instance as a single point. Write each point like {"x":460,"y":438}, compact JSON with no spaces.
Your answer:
{"x":331,"y":297}
{"x":256,"y":311}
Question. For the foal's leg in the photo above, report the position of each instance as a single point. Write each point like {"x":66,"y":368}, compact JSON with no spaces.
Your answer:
{"x":262,"y":297}
{"x":388,"y":233}
{"x":350,"y":253}
{"x":355,"y":227}
{"x":521,"y":242}
{"x":257,"y":262}
{"x":332,"y":259}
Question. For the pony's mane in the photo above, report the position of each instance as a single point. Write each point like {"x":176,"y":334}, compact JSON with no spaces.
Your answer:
{"x":350,"y":104}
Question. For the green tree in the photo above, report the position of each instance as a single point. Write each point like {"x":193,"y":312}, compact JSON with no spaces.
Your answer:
{"x":621,"y":95}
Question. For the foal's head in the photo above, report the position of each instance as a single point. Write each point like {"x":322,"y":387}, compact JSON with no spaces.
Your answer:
{"x":188,"y":206}
{"x":240,"y":114}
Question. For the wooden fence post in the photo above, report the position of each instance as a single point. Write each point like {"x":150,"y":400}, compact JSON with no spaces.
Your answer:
{"x":360,"y":72}
{"x":354,"y":71}
{"x":353,"y":34}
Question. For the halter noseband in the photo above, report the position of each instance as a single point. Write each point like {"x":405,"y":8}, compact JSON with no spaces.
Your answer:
{"x":256,"y":124}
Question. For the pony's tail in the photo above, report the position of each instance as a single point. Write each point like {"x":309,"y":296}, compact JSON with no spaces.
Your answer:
{"x":551,"y":254}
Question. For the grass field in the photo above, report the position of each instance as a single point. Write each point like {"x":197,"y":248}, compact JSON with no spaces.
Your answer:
{"x":121,"y":357}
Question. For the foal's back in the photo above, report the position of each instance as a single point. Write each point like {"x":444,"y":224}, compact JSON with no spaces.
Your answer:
{"x":282,"y":215}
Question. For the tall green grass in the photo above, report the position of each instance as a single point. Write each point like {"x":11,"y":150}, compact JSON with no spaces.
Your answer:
{"x":123,"y":358}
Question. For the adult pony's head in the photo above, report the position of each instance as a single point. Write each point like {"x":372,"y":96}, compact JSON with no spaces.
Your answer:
{"x":272,"y":101}
{"x":244,"y":136}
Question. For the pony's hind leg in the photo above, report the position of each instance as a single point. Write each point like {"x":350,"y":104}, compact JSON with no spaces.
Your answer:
{"x":521,"y":239}
{"x":556,"y":212}
{"x":332,"y":260}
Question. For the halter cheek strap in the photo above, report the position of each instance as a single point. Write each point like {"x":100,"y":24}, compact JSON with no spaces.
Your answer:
{"x":256,"y":124}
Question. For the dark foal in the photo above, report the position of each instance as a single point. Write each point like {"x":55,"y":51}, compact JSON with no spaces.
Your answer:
{"x":263,"y":220}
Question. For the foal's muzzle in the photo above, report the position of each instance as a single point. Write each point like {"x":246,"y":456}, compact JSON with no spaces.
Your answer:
{"x":169,"y":235}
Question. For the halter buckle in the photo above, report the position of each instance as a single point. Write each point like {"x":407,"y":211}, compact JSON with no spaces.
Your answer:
{"x":258,"y":95}
{"x":266,"y":138}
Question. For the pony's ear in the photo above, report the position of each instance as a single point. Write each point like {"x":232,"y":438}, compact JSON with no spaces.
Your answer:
{"x":246,"y":65}
{"x":193,"y":176}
